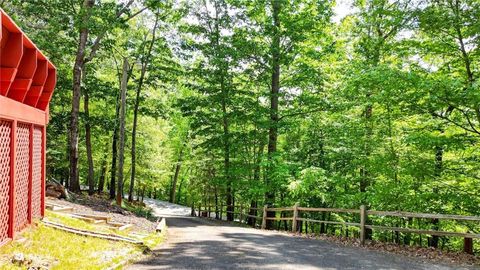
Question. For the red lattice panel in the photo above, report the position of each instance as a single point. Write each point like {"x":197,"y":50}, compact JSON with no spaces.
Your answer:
{"x":37,"y":173}
{"x":5,"y":130}
{"x":21,"y":176}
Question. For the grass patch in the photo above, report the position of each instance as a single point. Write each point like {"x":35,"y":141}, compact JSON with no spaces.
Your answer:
{"x":138,"y":209}
{"x":62,"y":250}
{"x":154,"y":239}
{"x":68,"y":221}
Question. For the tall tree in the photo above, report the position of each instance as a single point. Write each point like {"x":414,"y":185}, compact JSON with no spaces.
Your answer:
{"x":121,"y":147}
{"x":83,"y":57}
{"x":275,"y":48}
{"x":378,"y":24}
{"x":214,"y":70}
{"x":144,"y":64}
{"x":78,"y":68}
{"x":285,"y":28}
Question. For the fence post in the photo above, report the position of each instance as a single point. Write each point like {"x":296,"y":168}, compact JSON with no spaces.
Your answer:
{"x":468,"y":245}
{"x":294,"y":219}
{"x":363,"y":216}
{"x":264,"y":218}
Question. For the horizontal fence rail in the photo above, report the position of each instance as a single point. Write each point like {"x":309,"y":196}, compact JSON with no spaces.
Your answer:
{"x":250,"y":215}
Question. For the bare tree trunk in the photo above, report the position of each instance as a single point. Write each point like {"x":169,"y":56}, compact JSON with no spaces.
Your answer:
{"x":364,"y":172}
{"x":76,"y":93}
{"x":433,"y":242}
{"x":274,"y":119}
{"x":251,"y":221}
{"x":113,"y":168}
{"x":88,"y":142}
{"x":256,"y":178}
{"x":180,"y":187}
{"x":135,"y":111}
{"x":103,"y":172}
{"x":217,"y":214}
{"x":121,"y":156}
{"x":226,"y":137}
{"x":173,"y":187}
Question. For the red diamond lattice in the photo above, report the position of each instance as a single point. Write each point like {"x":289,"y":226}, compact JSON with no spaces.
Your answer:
{"x":37,"y":172}
{"x":21,"y":176}
{"x":5,"y":135}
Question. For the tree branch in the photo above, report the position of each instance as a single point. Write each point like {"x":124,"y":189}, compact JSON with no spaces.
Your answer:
{"x":96,"y":43}
{"x":300,"y":113}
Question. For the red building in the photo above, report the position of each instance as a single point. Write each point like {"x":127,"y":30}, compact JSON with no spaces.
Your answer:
{"x":27,"y":81}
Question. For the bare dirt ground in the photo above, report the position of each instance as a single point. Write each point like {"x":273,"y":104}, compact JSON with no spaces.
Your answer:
{"x":198,"y":243}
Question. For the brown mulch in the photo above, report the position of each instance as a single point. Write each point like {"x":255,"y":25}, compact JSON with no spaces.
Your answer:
{"x":99,"y":205}
{"x":432,"y":254}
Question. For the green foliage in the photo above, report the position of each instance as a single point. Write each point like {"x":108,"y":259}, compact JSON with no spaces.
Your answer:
{"x":380,"y":108}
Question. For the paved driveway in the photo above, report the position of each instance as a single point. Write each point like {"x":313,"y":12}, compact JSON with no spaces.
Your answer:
{"x":195,"y":243}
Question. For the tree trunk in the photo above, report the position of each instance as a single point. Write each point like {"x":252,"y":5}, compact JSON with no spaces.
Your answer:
{"x":252,"y":221}
{"x":88,"y":142}
{"x":217,"y":214}
{"x":76,"y":93}
{"x":229,"y":199}
{"x":178,"y":197}
{"x":256,"y":178}
{"x":274,"y":95}
{"x":121,"y":156}
{"x":364,"y":173}
{"x":103,"y":172}
{"x":433,"y":242}
{"x":173,"y":187}
{"x":145,"y":63}
{"x":113,"y":168}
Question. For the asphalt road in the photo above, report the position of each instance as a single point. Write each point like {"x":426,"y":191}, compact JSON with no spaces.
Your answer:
{"x":195,"y":243}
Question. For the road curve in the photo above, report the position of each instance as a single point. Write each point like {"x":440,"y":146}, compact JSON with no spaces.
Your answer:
{"x":195,"y":243}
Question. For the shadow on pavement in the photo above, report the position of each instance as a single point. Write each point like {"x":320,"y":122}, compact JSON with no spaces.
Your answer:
{"x":206,"y":246}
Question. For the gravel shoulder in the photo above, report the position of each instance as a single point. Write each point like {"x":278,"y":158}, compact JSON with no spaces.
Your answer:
{"x":197,"y":243}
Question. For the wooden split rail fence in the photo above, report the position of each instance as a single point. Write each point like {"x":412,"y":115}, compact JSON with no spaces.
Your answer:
{"x":243,"y":214}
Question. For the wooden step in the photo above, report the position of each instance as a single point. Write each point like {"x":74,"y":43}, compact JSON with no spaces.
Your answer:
{"x":97,"y":217}
{"x":56,"y":208}
{"x":87,"y":219}
{"x":120,"y":226}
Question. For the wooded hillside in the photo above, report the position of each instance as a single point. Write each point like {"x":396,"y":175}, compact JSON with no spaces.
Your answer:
{"x":373,"y":102}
